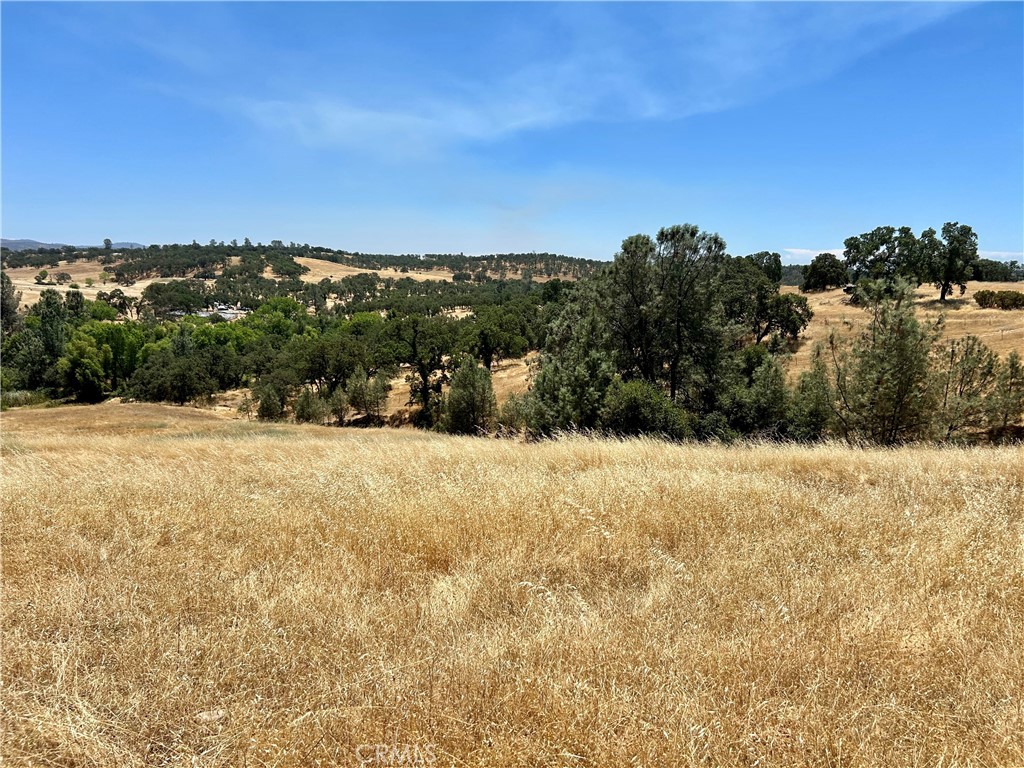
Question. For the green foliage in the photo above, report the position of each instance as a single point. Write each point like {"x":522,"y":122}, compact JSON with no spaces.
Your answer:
{"x":769,"y":263}
{"x":184,"y":296}
{"x":824,"y":272}
{"x":173,"y":370}
{"x":1000,"y":299}
{"x":10,"y":301}
{"x":759,"y":402}
{"x":990,"y":270}
{"x":882,"y":386}
{"x":367,"y":394}
{"x":639,"y":408}
{"x":517,"y":414}
{"x":885,"y":254}
{"x":469,"y":407}
{"x":310,"y":408}
{"x":1005,"y":406}
{"x":810,"y":406}
{"x":82,"y":368}
{"x":949,"y":261}
{"x":575,"y":372}
{"x":965,"y":373}
{"x":496,"y":333}
{"x":339,"y":406}
{"x":271,"y":402}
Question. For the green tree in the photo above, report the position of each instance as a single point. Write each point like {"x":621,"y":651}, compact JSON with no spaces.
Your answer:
{"x":882,"y":384}
{"x":810,"y":407}
{"x":824,"y":272}
{"x":966,"y":374}
{"x":949,"y":261}
{"x":770,"y":264}
{"x":41,"y":277}
{"x":81,"y":368}
{"x":271,"y":401}
{"x":52,"y":318}
{"x":1005,"y":404}
{"x":496,"y":333}
{"x":339,"y":406}
{"x":310,"y":408}
{"x":686,"y":265}
{"x":885,"y":253}
{"x":575,"y":372}
{"x":427,"y":346}
{"x":10,"y":300}
{"x":368,"y":395}
{"x":628,"y":296}
{"x":470,"y":407}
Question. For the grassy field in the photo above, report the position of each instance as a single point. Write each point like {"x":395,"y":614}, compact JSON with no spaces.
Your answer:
{"x":1001,"y":330}
{"x":183,"y":589}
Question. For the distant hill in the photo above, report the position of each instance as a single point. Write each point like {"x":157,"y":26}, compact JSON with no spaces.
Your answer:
{"x":35,"y":245}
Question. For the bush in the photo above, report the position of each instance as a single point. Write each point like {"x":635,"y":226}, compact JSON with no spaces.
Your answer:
{"x":470,"y":407}
{"x":310,"y":408}
{"x":339,"y":406}
{"x":640,"y":408}
{"x":1000,"y":299}
{"x":369,"y":395}
{"x":516,"y":415}
{"x":271,"y":405}
{"x":21,"y":397}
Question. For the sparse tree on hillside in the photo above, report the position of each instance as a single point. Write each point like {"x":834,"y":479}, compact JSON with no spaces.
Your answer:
{"x":949,"y":261}
{"x":824,"y":272}
{"x":885,"y":253}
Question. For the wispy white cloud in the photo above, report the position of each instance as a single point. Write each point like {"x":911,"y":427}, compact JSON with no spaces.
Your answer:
{"x":611,"y":64}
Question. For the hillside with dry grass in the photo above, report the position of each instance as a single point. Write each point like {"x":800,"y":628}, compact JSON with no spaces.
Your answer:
{"x":1002,"y":331}
{"x":183,"y":589}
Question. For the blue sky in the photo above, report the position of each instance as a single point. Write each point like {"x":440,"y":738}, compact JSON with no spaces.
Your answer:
{"x":494,"y":127}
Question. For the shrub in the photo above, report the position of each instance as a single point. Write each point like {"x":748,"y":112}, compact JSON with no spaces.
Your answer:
{"x":310,"y":408}
{"x":1000,"y":299}
{"x":271,"y":405}
{"x":339,"y":406}
{"x":470,"y":407}
{"x":639,"y":408}
{"x":516,"y":415}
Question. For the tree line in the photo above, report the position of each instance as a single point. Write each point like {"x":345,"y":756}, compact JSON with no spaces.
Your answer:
{"x":674,"y":337}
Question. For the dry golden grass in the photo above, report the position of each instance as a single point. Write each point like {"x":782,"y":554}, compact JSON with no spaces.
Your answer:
{"x":23,"y":279}
{"x":321,"y":268}
{"x":1001,"y":330}
{"x":186,"y":590}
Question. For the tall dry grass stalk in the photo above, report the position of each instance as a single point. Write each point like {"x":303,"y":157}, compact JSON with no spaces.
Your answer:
{"x":203,"y":592}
